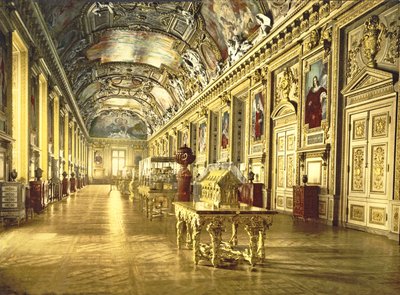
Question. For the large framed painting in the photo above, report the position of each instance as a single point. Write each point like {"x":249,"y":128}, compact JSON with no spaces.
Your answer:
{"x":257,"y":116}
{"x":98,"y":157}
{"x":316,"y":101}
{"x":202,"y":138}
{"x":225,"y":130}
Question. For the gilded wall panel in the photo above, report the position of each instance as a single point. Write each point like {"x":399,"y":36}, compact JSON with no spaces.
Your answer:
{"x":395,"y":218}
{"x":279,"y":201}
{"x":378,"y":168}
{"x":322,"y":208}
{"x":377,"y":215}
{"x":357,"y":181}
{"x":290,"y":171}
{"x":289,"y":203}
{"x":291,"y":142}
{"x":357,"y":212}
{"x":380,"y":125}
{"x":281,"y":171}
{"x":359,"y":130}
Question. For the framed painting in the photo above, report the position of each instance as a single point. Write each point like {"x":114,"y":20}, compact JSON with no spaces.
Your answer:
{"x":316,"y":102}
{"x":257,"y":116}
{"x":202,"y":138}
{"x":98,"y":158}
{"x":225,"y":130}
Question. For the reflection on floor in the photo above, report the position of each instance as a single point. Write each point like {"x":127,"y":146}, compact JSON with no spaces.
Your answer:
{"x":100,"y":243}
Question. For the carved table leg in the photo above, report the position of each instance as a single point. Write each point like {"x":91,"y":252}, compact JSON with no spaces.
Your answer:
{"x":260,"y":248}
{"x":189,"y":237}
{"x":261,"y":238}
{"x":196,"y":231}
{"x":179,"y":228}
{"x":234,"y":240}
{"x":150,"y":204}
{"x":254,"y":229}
{"x":215,"y":229}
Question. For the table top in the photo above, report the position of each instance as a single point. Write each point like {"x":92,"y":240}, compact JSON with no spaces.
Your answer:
{"x":206,"y":208}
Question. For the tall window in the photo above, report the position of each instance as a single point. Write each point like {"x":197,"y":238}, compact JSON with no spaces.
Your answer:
{"x":118,"y":162}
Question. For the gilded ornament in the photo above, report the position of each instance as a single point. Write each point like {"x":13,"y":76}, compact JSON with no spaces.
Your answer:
{"x":304,"y":24}
{"x":378,"y":168}
{"x":358,"y":169}
{"x":281,"y":42}
{"x":393,"y":36}
{"x":352,"y":65}
{"x":326,"y":40}
{"x":281,"y":171}
{"x":377,"y":215}
{"x":288,"y":36}
{"x":285,"y":84}
{"x":359,"y":129}
{"x":335,"y":4}
{"x":290,"y":171}
{"x":371,"y":41}
{"x":225,"y":99}
{"x":314,"y":17}
{"x":379,"y":124}
{"x":296,"y":31}
{"x":313,"y":40}
{"x":324,"y":9}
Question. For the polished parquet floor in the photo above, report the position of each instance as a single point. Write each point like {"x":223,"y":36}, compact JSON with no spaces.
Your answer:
{"x":99,"y":243}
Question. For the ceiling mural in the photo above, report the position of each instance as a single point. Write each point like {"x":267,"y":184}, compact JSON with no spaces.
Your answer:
{"x":226,"y":19}
{"x":140,"y":62}
{"x":118,"y":124}
{"x":135,"y":46}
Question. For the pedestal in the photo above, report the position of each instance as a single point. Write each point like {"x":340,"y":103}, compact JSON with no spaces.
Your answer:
{"x":72,"y":182}
{"x":65,"y":186}
{"x":184,"y":179}
{"x":185,"y":157}
{"x":37,"y":195}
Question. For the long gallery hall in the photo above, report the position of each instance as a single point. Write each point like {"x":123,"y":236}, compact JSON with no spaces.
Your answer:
{"x":199,"y":147}
{"x":98,"y":242}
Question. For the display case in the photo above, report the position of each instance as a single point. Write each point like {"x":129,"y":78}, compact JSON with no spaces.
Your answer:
{"x":197,"y":187}
{"x":220,"y":187}
{"x":12,"y":201}
{"x":251,"y":194}
{"x":158,"y":173}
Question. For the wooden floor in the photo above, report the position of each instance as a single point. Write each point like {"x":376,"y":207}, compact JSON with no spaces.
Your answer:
{"x":100,"y":243}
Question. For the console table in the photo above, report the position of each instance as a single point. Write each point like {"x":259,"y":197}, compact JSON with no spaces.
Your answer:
{"x":153,"y":197}
{"x":196,"y":216}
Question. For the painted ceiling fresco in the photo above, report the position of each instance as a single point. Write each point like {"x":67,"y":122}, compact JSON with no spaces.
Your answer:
{"x":116,"y":124}
{"x":147,"y":59}
{"x":135,"y":46}
{"x":224,"y":19}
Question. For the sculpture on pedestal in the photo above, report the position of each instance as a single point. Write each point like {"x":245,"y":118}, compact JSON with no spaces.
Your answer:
{"x":184,"y":156}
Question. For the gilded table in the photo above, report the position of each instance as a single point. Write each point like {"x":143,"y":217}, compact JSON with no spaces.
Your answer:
{"x":152,"y":197}
{"x":196,"y":216}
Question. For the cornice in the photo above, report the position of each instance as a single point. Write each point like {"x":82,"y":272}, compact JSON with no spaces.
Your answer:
{"x":262,"y":54}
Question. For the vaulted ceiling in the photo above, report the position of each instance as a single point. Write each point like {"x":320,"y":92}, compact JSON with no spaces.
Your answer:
{"x":132,"y":65}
